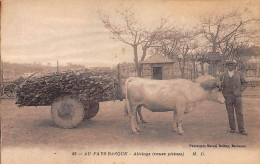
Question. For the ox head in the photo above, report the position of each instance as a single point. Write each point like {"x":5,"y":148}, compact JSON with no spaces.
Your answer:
{"x":213,"y":87}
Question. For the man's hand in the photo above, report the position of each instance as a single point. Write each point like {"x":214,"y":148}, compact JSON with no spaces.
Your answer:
{"x":219,"y":85}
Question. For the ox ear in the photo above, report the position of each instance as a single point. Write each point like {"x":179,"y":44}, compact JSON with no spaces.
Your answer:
{"x":219,"y":85}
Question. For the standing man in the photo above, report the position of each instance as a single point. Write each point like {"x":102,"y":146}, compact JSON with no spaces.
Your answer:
{"x":233,"y":84}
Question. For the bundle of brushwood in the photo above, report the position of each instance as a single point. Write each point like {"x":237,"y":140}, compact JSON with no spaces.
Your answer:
{"x":90,"y":86}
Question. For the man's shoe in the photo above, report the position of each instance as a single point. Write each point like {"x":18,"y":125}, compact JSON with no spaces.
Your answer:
{"x":232,"y":131}
{"x":243,"y":133}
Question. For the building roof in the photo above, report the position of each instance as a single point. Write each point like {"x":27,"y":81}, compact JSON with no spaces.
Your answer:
{"x":157,"y":59}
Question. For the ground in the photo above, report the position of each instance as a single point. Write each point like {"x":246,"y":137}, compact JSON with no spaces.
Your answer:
{"x":29,"y":134}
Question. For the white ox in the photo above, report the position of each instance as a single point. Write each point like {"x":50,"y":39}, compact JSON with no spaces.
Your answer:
{"x":177,"y":95}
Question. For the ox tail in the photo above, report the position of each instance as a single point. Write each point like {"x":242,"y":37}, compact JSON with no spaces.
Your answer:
{"x":127,"y":106}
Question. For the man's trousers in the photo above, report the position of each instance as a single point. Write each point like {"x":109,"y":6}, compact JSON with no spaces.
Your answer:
{"x":234,"y":103}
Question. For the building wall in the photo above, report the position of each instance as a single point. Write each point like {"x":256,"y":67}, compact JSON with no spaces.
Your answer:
{"x":253,"y":66}
{"x":147,"y":71}
{"x":187,"y":70}
{"x":127,"y":70}
{"x":167,"y":70}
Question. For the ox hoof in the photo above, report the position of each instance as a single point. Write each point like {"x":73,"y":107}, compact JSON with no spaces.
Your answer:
{"x":136,"y":133}
{"x":143,"y":121}
{"x":139,"y":130}
{"x":181,"y":133}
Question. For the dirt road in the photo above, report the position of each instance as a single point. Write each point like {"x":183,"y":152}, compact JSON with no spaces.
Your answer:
{"x":31,"y":130}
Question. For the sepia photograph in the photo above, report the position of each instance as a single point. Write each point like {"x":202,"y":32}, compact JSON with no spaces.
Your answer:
{"x":130,"y":82}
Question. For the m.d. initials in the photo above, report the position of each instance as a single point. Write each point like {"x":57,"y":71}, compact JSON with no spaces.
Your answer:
{"x":201,"y":154}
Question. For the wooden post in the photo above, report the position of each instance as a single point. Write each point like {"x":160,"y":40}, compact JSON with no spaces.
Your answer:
{"x":191,"y":74}
{"x":57,"y":66}
{"x":120,"y":83}
{"x":214,"y":57}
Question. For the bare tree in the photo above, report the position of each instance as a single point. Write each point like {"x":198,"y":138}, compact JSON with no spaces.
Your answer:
{"x":131,"y":32}
{"x":219,"y":29}
{"x":202,"y":59}
{"x":223,"y":31}
{"x":230,"y":46}
{"x":155,"y":37}
{"x":185,"y":49}
{"x":178,"y":45}
{"x":168,"y":46}
{"x":241,"y":52}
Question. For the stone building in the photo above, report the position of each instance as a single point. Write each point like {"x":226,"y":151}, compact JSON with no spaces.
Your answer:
{"x":157,"y":67}
{"x":253,"y":63}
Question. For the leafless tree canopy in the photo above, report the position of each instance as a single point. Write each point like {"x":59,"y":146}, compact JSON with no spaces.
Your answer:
{"x":225,"y":33}
{"x":222,"y":31}
{"x":131,"y":32}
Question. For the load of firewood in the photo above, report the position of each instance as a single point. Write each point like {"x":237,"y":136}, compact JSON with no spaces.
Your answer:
{"x":89,"y":87}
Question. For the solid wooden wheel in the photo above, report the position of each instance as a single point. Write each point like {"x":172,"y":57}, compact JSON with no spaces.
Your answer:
{"x":9,"y":90}
{"x":67,"y":111}
{"x":92,"y":110}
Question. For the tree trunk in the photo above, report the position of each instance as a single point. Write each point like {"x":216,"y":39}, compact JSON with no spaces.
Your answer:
{"x":214,"y":46}
{"x":137,"y":68}
{"x":139,"y":71}
{"x":181,"y":69}
{"x":194,"y":69}
{"x":182,"y":72}
{"x":202,"y":68}
{"x":213,"y":66}
{"x":144,"y":54}
{"x":137,"y":65}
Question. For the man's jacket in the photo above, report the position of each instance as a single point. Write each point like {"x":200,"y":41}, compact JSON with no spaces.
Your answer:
{"x":234,"y":85}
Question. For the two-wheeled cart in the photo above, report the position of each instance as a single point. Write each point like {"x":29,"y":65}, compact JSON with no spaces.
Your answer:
{"x":72,"y":102}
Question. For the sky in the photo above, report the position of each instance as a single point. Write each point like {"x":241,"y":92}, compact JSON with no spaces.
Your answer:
{"x":47,"y":31}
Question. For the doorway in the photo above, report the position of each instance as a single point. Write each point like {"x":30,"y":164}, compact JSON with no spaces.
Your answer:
{"x":157,"y":73}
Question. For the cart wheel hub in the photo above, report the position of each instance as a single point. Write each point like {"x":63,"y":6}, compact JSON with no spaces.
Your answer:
{"x":66,"y":111}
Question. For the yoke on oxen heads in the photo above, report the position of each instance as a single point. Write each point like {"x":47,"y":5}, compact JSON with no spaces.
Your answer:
{"x":213,"y":85}
{"x":208,"y":82}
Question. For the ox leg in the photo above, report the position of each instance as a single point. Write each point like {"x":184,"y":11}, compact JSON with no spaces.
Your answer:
{"x":138,"y":109}
{"x":180,"y":111}
{"x":132,"y":120}
{"x":134,"y":125}
{"x":174,"y":121}
{"x":125,"y":108}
